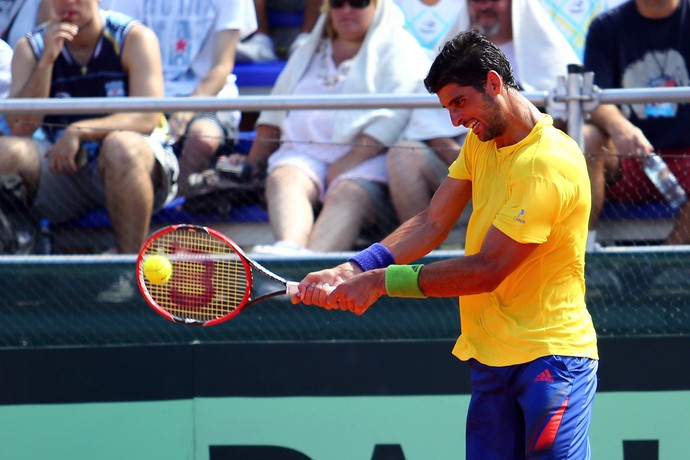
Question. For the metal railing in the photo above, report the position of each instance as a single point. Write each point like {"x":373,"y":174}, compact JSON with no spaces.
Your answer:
{"x":576,"y":90}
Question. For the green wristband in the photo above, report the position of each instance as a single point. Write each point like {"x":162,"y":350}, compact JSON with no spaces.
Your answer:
{"x":403,"y":281}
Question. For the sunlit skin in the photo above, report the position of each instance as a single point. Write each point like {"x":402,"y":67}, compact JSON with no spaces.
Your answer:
{"x":474,"y":110}
{"x":495,"y":114}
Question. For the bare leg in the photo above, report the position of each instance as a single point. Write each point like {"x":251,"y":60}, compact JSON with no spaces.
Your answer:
{"x":129,"y":173}
{"x":201,"y":143}
{"x":412,"y":178}
{"x":20,"y":156}
{"x":347,"y":209}
{"x":291,"y":196}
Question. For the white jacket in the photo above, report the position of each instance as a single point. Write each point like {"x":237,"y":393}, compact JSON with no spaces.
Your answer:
{"x":390,"y":61}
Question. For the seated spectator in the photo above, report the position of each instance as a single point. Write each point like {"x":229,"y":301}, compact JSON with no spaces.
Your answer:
{"x":657,"y":54}
{"x":333,"y":161}
{"x":19,"y":17}
{"x":122,"y":161}
{"x":260,"y":46}
{"x":419,"y":162}
{"x":198,"y":41}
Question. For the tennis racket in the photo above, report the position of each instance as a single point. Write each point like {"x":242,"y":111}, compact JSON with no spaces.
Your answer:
{"x":212,"y":278}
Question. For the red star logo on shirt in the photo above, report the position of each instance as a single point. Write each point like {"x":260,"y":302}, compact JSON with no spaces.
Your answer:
{"x":181,"y":45}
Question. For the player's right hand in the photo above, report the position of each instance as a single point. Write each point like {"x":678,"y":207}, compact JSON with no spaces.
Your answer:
{"x":315,"y":288}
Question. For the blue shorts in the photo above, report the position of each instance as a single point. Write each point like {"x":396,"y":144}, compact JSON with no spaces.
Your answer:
{"x":537,"y":410}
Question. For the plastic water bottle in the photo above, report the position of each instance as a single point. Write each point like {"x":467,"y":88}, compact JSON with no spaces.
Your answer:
{"x":662,"y":177}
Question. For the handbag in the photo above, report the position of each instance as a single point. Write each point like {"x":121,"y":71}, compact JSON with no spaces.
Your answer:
{"x":217,"y":190}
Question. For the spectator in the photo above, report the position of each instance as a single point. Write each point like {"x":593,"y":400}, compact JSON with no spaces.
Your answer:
{"x":121,"y":160}
{"x":537,"y":52}
{"x":260,"y":47}
{"x":18,"y":17}
{"x":198,"y":41}
{"x":333,"y":160}
{"x":418,"y":162}
{"x":656,"y":55}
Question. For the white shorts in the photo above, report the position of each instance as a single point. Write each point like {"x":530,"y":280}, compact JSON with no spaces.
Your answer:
{"x":372,"y":170}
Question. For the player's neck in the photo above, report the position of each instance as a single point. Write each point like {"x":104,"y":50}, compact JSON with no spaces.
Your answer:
{"x":656,"y":9}
{"x":522,"y":119}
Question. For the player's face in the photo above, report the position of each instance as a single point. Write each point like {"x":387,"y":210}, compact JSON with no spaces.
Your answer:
{"x":473,"y":109}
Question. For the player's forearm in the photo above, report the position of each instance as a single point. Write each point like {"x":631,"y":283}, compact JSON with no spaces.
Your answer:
{"x":459,"y":276}
{"x":415,"y":238}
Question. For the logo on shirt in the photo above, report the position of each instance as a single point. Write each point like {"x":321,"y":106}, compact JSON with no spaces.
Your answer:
{"x":115,"y":88}
{"x":518,"y":218}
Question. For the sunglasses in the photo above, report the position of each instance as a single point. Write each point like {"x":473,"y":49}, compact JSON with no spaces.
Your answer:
{"x":352,"y":3}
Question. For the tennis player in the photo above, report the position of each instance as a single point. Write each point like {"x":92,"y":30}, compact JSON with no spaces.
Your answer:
{"x":526,"y":332}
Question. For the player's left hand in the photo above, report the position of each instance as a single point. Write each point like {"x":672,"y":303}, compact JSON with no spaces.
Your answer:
{"x":354,"y":291}
{"x":360,"y":292}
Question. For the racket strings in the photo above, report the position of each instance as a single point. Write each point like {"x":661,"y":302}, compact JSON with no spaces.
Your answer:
{"x":208,"y":281}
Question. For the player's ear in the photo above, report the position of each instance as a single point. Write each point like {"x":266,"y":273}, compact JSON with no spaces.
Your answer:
{"x":494,"y":82}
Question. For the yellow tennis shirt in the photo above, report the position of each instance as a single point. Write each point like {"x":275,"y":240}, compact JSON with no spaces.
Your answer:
{"x":536,"y":191}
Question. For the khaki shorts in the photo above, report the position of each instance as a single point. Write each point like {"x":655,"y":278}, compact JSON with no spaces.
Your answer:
{"x":63,"y":197}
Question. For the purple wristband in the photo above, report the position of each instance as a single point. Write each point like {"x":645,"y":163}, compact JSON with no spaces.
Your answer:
{"x":375,"y":256}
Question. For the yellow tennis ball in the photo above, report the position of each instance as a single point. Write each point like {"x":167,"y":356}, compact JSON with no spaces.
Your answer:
{"x":157,"y":269}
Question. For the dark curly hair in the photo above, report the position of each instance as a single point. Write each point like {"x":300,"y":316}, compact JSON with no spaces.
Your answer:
{"x":465,"y":60}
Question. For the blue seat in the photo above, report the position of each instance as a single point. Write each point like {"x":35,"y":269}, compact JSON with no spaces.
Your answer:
{"x":174,"y":213}
{"x":261,"y":74}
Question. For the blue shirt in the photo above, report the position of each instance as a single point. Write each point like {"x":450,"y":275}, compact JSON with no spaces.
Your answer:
{"x":626,"y":50}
